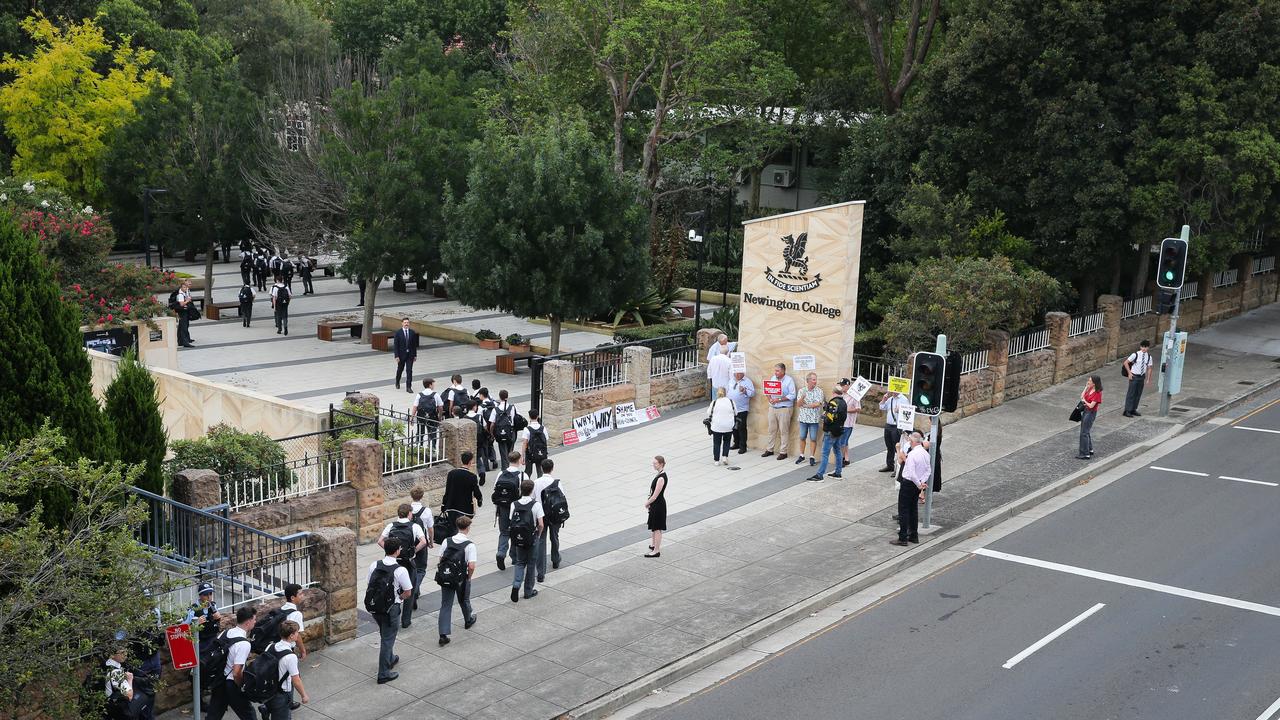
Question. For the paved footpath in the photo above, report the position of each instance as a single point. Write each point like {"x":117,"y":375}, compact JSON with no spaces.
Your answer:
{"x":745,"y":545}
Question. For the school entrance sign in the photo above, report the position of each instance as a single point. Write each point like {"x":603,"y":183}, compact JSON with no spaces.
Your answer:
{"x":799,"y":297}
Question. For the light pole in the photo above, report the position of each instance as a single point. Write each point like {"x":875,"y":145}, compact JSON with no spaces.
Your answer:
{"x":699,"y":237}
{"x":146,"y":223}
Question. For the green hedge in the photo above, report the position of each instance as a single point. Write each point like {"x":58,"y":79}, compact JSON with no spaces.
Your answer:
{"x":712,"y":277}
{"x":649,"y":332}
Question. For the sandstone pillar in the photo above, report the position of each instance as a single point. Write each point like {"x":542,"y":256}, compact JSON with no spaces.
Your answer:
{"x":1112,"y":308}
{"x":639,"y":366}
{"x":198,"y":488}
{"x":333,"y":568}
{"x":1059,"y":325}
{"x":363,"y":458}
{"x":557,"y":399}
{"x":997,"y":363}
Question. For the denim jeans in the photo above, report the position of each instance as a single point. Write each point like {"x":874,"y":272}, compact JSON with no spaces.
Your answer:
{"x":844,"y":438}
{"x":525,"y":566}
{"x":446,"y":606}
{"x":504,"y":524}
{"x":388,"y":627}
{"x":830,"y":448}
{"x":1086,"y":431}
{"x":552,"y":530}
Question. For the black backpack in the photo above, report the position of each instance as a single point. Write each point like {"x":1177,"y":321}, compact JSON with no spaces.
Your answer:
{"x":506,"y":489}
{"x":833,"y":416}
{"x":282,"y":296}
{"x":428,"y":406}
{"x":554,"y":504}
{"x":404,"y":533}
{"x":536,"y":449}
{"x":452,"y":570}
{"x":518,"y":422}
{"x":246,"y":295}
{"x":213,"y":661}
{"x":380,"y":596}
{"x":267,"y":631}
{"x":173,"y":302}
{"x":503,"y":428}
{"x":523,"y":526}
{"x":262,"y":675}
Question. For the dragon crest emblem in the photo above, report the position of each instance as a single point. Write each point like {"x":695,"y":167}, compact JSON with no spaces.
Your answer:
{"x":795,"y":271}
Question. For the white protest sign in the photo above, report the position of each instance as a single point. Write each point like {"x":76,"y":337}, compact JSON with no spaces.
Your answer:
{"x":804,"y":363}
{"x":586,"y":427}
{"x":738,"y":362}
{"x":604,"y":420}
{"x":906,"y":419}
{"x":859,"y":387}
{"x":627,"y":416}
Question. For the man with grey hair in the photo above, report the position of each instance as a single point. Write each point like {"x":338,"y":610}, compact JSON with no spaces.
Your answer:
{"x":721,"y":346}
{"x":916,"y":472}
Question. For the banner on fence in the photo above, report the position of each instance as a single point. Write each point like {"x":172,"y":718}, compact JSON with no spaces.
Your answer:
{"x":738,"y":362}
{"x":627,"y":415}
{"x":859,"y":387}
{"x":899,"y":385}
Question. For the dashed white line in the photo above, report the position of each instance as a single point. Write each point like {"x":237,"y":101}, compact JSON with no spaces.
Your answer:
{"x":1270,"y":712}
{"x":1051,"y":636}
{"x":1265,"y":430}
{"x":1133,"y":582}
{"x":1247,"y":480}
{"x":1180,"y":472}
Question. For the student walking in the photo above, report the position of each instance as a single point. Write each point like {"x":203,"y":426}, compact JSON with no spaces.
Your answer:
{"x":1137,"y":367}
{"x":810,"y":402}
{"x":246,"y":266}
{"x":421,"y":516}
{"x":304,"y":271}
{"x":183,"y":301}
{"x":533,"y":444}
{"x":406,"y":351}
{"x":389,"y":586}
{"x":502,"y":421}
{"x":657,"y":506}
{"x":453,"y":574}
{"x":122,"y":701}
{"x":889,"y":405}
{"x":555,"y":511}
{"x":833,"y":416}
{"x":426,"y":410}
{"x":1090,"y":399}
{"x":455,"y":397}
{"x":228,"y":694}
{"x":506,"y":490}
{"x":461,"y":487}
{"x":741,"y":393}
{"x":412,"y":540}
{"x":720,"y":419}
{"x":280,"y":706}
{"x":524,"y":528}
{"x":780,"y":413}
{"x":280,"y":297}
{"x":915,"y":477}
{"x":246,"y":298}
{"x":260,"y":270}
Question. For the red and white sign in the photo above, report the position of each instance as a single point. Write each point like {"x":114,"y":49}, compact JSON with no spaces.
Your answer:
{"x":652,"y":413}
{"x":772,"y":387}
{"x":181,"y":649}
{"x":570,"y":437}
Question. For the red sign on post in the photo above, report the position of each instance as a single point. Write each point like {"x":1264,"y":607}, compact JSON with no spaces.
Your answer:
{"x":181,"y":649}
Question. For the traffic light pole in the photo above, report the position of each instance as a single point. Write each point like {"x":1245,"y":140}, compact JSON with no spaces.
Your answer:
{"x":1167,"y":348}
{"x":941,"y":349}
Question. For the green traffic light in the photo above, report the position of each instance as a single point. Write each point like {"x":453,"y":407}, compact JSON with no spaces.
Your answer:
{"x":1168,"y":274}
{"x":925,"y":399}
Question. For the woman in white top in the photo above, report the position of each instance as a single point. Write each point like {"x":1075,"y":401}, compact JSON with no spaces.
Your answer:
{"x":722,"y":417}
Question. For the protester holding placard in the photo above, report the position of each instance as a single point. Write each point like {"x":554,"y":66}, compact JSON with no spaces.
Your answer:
{"x":741,"y":393}
{"x":890,"y":405}
{"x":853,"y":404}
{"x":780,"y":405}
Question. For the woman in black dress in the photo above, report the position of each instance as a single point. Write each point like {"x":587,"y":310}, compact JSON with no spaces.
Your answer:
{"x":657,"y":506}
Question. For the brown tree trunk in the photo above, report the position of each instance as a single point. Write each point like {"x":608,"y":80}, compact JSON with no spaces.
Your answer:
{"x":1088,"y":289}
{"x":1116,"y":272}
{"x":370,"y":297}
{"x":1139,"y":284}
{"x":619,"y":146}
{"x":555,"y":333}
{"x":208,"y":274}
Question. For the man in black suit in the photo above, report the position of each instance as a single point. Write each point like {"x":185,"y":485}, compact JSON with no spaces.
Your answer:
{"x":406,"y":350}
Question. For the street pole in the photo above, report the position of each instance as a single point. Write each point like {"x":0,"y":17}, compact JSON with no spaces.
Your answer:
{"x":728,"y":237}
{"x":195,"y":689}
{"x":146,"y":224}
{"x":702,"y":254}
{"x":1167,"y":347}
{"x":941,"y":348}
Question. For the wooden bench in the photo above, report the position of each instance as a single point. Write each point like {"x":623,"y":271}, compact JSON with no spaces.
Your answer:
{"x":506,"y":362}
{"x":381,"y":340}
{"x":215,"y":309}
{"x":324,"y":330}
{"x":684,"y":307}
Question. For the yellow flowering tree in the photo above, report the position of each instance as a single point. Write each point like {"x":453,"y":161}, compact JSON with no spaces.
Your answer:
{"x":60,"y":111}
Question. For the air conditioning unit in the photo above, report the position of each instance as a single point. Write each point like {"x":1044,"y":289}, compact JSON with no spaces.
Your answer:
{"x":784,"y":178}
{"x":744,"y":176}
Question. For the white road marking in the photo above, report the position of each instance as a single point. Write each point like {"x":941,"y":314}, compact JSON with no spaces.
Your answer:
{"x":1180,"y":472}
{"x":1051,"y":636}
{"x":1265,"y":430}
{"x":1132,"y":582}
{"x":1270,"y":712}
{"x":1247,"y":480}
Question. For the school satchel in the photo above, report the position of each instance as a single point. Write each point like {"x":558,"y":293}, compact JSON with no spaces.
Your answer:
{"x":443,"y":527}
{"x":193,"y":312}
{"x":213,"y":661}
{"x":380,"y":595}
{"x":1078,"y":413}
{"x":452,"y":570}
{"x":555,"y":504}
{"x":523,"y":525}
{"x":267,"y":632}
{"x":262,"y":675}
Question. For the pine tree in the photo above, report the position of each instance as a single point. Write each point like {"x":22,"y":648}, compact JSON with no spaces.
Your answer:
{"x":133,"y":410}
{"x":44,"y":371}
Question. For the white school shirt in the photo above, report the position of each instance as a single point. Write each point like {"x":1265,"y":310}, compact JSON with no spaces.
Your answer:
{"x":537,"y":507}
{"x":523,"y":436}
{"x":418,"y":535}
{"x":295,"y":615}
{"x":288,"y":666}
{"x":468,"y":555}
{"x":541,"y":484}
{"x":239,"y":654}
{"x":1139,"y":363}
{"x":400,"y":578}
{"x":428,"y":519}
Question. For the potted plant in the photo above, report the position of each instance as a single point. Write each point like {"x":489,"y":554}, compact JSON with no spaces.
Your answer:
{"x":517,"y":343}
{"x":489,"y":340}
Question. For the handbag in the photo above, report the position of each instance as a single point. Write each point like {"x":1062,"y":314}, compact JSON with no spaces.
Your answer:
{"x":706,"y":421}
{"x":193,"y":312}
{"x":1077,"y":413}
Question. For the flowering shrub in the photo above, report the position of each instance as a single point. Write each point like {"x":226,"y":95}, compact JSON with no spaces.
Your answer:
{"x":21,"y":194}
{"x":75,"y":243}
{"x":119,"y":292}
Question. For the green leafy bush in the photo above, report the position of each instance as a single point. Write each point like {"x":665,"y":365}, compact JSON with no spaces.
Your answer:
{"x":517,"y":339}
{"x":725,"y":319}
{"x":134,"y":411}
{"x":226,"y":451}
{"x":713,"y":277}
{"x":352,"y":424}
{"x":649,"y":332}
{"x":487,"y":334}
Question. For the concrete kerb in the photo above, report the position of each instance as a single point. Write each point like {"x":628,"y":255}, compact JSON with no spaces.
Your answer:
{"x":698,"y":660}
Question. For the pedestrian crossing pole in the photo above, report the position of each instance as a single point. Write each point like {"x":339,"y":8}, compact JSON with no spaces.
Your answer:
{"x":941,"y":348}
{"x":1170,"y":338}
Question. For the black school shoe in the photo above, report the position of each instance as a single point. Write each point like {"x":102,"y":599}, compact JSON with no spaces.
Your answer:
{"x":502,"y":563}
{"x":444,"y":640}
{"x":532,"y":593}
{"x":470,"y":622}
{"x":515,"y":594}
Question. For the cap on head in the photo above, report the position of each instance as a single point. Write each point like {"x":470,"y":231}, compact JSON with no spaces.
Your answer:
{"x":205,"y":589}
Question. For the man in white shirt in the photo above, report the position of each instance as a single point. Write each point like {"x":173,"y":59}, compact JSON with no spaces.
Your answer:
{"x":292,"y":597}
{"x":281,"y":705}
{"x":421,"y":516}
{"x":463,"y":593}
{"x":719,"y":373}
{"x":119,"y":682}
{"x":916,"y":471}
{"x":229,"y":695}
{"x":741,"y":393}
{"x":412,"y":541}
{"x":522,"y":557}
{"x":889,"y":405}
{"x":536,"y":431}
{"x":1138,"y":367}
{"x":389,"y":622}
{"x":721,"y":346}
{"x":549,"y":529}
{"x":184,"y":316}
